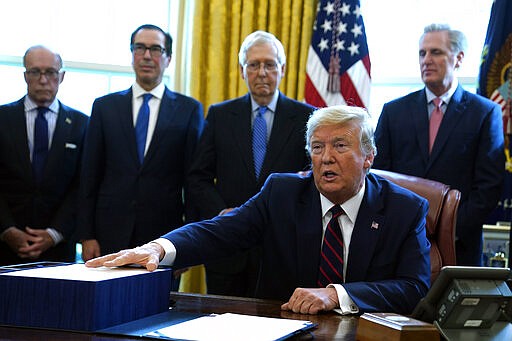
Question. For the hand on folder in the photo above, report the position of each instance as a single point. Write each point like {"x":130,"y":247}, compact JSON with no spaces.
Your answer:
{"x":147,"y":255}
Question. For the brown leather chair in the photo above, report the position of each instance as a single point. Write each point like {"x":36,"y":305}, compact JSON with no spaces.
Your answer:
{"x":441,"y":216}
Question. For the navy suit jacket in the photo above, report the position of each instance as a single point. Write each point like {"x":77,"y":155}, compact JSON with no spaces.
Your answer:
{"x":222,"y":174}
{"x":388,"y":267}
{"x":468,"y":154}
{"x":124,"y":203}
{"x":53,"y":202}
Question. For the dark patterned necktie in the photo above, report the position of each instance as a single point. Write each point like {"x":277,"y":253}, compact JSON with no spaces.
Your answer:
{"x":40,"y":151}
{"x":259,"y":140}
{"x":331,"y":258}
{"x":141,"y":126}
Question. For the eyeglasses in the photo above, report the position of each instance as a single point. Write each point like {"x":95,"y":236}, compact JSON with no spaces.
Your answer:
{"x":154,"y":50}
{"x":255,"y":66}
{"x":49,"y":73}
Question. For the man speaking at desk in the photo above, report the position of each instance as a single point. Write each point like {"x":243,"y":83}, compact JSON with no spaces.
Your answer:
{"x":340,"y":238}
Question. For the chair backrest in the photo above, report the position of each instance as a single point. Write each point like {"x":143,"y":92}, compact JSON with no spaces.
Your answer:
{"x":441,"y":216}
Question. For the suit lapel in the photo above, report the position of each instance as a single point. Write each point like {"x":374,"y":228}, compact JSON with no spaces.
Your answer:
{"x":61,"y":134}
{"x":308,"y":235}
{"x":451,"y":117}
{"x":240,"y":125}
{"x":125,"y":121}
{"x":418,"y":110}
{"x":367,"y":228}
{"x":168,"y":110}
{"x":20,"y":141}
{"x":281,"y":124}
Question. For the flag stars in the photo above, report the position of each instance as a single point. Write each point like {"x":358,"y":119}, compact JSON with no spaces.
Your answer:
{"x":323,"y":44}
{"x":342,"y":28}
{"x":357,"y":30}
{"x":353,"y":48}
{"x":329,"y":8}
{"x":339,"y":45}
{"x":345,"y":9}
{"x":327,"y":25}
{"x":357,"y":12}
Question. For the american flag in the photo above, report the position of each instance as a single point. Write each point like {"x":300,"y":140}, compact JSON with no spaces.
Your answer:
{"x":338,"y":65}
{"x":495,"y":82}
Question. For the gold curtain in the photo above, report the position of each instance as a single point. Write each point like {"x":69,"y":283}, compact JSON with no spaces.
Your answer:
{"x":219,"y":28}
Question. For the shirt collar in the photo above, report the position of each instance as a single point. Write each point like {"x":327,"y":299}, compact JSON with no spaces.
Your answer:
{"x":31,"y":105}
{"x":271,"y":106}
{"x":351,"y":206}
{"x":157,"y":91}
{"x":446,"y":96}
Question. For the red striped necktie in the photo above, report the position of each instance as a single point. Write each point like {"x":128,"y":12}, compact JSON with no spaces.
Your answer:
{"x":331,"y":258}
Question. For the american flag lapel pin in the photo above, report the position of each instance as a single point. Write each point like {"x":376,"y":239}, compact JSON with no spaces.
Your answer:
{"x":375,"y":225}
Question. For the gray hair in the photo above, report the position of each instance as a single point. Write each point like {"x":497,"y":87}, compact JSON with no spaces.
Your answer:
{"x":259,"y":38}
{"x":458,"y":41}
{"x":339,"y":115}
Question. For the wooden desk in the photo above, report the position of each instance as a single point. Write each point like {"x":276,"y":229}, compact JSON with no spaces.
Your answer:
{"x":331,"y":326}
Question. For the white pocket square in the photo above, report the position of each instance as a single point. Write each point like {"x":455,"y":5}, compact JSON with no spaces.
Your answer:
{"x":70,"y":145}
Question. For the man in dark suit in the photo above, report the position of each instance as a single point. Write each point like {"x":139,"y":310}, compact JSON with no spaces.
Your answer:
{"x":468,"y":151}
{"x":379,"y":261}
{"x":133,"y":179}
{"x":223,"y":175}
{"x":40,"y":150}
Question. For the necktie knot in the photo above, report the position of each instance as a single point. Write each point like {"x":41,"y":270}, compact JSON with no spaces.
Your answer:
{"x":336,"y":211}
{"x":262,"y":111}
{"x":146,"y":97}
{"x":437,"y":102}
{"x":42,"y":110}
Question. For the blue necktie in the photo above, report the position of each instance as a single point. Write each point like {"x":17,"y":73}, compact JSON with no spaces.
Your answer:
{"x":331,"y":257}
{"x":40,"y":151}
{"x":141,"y":126}
{"x":259,"y":140}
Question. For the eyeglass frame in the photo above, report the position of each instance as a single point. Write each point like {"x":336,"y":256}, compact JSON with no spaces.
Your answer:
{"x":267,"y":66}
{"x":159,"y":50}
{"x":50,"y":74}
